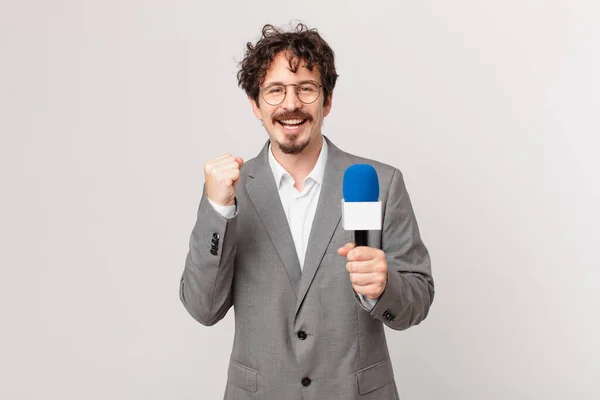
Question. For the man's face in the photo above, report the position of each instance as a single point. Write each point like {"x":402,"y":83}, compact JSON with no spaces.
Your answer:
{"x":292,"y":125}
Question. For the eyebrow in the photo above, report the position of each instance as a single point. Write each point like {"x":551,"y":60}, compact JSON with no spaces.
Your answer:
{"x":273,"y":83}
{"x":281,"y":83}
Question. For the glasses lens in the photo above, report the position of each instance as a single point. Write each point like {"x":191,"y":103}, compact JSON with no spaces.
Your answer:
{"x":274,"y":94}
{"x":308,"y":92}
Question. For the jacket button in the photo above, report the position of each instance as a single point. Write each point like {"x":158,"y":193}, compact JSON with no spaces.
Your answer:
{"x":388,"y":316}
{"x":214,"y":252}
{"x":306,"y":382}
{"x":302,"y":335}
{"x":216,"y":236}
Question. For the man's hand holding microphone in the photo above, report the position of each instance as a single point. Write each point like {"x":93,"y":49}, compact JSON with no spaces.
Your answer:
{"x":367,"y":267}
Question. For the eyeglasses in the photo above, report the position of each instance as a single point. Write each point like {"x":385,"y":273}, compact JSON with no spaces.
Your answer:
{"x":307,"y":92}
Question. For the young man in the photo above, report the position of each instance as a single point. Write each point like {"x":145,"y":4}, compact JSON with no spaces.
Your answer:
{"x":310,"y":307}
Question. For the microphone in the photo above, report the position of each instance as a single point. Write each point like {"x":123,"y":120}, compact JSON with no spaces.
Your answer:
{"x":361,"y":208}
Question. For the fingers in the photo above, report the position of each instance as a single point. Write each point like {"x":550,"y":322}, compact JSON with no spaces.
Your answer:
{"x":372,"y":278}
{"x":224,"y":167}
{"x":239,"y":160}
{"x":370,"y":284}
{"x":343,"y":251}
{"x":223,"y":162}
{"x":363,"y":253}
{"x":364,"y":267}
{"x":367,"y":269}
{"x":222,"y":156}
{"x":221,"y":177}
{"x":370,"y":291}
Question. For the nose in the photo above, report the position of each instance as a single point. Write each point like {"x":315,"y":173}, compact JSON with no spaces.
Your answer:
{"x":291,"y":101}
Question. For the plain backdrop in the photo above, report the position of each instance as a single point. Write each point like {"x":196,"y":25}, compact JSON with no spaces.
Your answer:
{"x":109,"y":109}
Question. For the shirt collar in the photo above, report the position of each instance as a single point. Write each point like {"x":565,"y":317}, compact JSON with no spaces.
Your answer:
{"x":317,"y":173}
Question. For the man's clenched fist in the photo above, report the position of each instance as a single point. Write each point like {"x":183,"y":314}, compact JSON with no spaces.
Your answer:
{"x":221,"y":175}
{"x":368,"y":269}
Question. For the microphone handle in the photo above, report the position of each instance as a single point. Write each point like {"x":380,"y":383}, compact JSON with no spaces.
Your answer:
{"x":361,"y":238}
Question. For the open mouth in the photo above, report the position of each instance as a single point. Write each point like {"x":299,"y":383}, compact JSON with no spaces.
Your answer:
{"x":292,"y":125}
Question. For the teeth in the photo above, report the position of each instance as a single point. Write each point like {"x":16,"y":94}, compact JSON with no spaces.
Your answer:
{"x":291,"y":121}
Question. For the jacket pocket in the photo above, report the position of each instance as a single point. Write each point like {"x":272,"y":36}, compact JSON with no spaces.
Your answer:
{"x":375,"y":376}
{"x":242,"y":377}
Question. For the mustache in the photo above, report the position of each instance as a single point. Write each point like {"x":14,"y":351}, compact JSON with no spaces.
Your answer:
{"x":292,"y":115}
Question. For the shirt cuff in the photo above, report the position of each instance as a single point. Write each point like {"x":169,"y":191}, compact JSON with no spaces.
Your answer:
{"x":227,"y":212}
{"x":367,"y":303}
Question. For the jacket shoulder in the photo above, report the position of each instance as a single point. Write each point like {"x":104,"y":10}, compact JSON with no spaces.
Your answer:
{"x":385,"y":172}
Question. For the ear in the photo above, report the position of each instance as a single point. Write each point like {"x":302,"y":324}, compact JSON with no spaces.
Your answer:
{"x":327,"y":106}
{"x":255,"y":109}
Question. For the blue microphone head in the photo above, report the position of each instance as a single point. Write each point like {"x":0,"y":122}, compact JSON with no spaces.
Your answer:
{"x":360,"y":184}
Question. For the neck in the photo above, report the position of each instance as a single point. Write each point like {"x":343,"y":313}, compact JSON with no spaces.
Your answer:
{"x":299,"y":165}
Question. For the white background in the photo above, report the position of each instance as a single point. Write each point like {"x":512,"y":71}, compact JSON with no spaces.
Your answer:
{"x":109,"y":109}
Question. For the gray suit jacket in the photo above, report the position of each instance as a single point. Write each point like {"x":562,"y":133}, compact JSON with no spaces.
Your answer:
{"x":303,"y":334}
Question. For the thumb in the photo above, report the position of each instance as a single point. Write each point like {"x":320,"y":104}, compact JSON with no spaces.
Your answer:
{"x":240,"y":161}
{"x":343,"y":251}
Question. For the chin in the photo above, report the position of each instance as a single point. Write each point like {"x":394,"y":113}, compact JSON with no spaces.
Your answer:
{"x":293,"y":145}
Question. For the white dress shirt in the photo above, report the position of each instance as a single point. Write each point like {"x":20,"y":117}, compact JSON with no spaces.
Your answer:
{"x":299,"y":206}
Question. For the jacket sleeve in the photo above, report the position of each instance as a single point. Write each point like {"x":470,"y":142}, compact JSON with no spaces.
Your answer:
{"x":409,"y":291}
{"x":206,"y":284}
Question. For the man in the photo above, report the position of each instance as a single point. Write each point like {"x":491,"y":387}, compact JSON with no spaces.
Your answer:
{"x":309,"y":306}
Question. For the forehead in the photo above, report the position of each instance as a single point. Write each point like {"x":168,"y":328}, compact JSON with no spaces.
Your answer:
{"x":280,"y":70}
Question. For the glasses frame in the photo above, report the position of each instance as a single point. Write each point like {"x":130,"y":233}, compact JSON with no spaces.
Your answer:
{"x":262,"y":88}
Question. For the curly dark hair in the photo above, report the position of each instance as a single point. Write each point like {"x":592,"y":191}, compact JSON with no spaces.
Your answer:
{"x":301,"y":44}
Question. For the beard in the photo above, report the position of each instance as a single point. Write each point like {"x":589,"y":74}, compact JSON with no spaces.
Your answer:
{"x":292,"y":145}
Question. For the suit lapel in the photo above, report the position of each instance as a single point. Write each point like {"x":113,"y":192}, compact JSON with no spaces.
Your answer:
{"x":327,"y":217}
{"x":264,"y":195}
